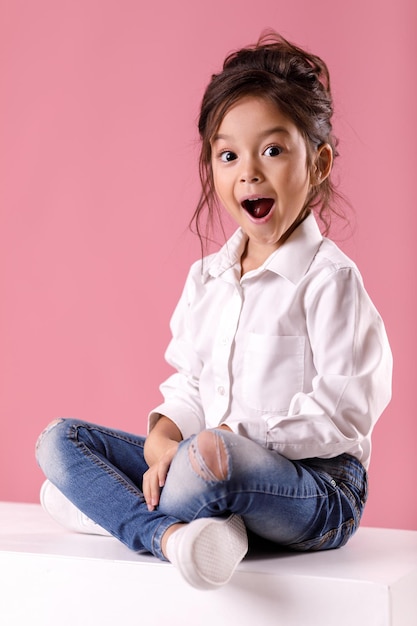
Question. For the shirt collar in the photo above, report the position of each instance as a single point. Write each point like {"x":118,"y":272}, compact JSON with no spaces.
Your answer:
{"x":291,"y":260}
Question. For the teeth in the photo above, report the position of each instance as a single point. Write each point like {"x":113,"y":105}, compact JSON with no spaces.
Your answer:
{"x":258,"y":207}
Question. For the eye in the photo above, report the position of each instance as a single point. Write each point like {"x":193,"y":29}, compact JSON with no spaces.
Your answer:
{"x":272,"y":151}
{"x":226,"y":156}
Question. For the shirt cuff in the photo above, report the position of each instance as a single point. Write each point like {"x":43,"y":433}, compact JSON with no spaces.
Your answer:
{"x":188,"y":423}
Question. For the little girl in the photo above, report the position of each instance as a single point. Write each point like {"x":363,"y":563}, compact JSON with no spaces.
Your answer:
{"x":282,"y":365}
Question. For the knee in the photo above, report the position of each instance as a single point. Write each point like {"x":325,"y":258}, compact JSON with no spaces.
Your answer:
{"x":208,"y":456}
{"x":47,"y":444}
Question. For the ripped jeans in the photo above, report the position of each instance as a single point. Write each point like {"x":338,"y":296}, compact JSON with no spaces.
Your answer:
{"x":312,"y":504}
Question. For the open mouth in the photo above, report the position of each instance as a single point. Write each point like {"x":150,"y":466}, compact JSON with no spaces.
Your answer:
{"x":258,"y":207}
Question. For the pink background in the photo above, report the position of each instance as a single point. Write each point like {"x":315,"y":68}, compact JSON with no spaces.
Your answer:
{"x":98,"y":179}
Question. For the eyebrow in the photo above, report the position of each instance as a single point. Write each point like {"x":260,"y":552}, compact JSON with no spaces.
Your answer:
{"x":266,"y":133}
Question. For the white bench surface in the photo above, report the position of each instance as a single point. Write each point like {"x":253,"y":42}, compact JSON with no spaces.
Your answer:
{"x":51,"y":576}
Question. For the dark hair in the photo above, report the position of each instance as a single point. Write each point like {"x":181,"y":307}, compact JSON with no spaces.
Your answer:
{"x":298,"y":83}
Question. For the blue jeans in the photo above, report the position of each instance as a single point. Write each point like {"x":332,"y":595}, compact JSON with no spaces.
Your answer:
{"x":312,"y":504}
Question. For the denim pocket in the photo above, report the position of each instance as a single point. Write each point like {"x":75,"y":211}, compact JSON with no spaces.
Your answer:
{"x":334,"y":538}
{"x":273,"y":371}
{"x":345,"y":480}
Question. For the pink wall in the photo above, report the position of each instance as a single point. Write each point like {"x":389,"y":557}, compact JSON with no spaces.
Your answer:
{"x":98,"y":181}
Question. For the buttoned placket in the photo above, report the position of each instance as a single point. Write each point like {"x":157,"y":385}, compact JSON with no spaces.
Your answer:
{"x":222,"y":350}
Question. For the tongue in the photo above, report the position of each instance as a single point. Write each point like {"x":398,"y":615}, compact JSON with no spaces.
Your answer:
{"x":259,"y":208}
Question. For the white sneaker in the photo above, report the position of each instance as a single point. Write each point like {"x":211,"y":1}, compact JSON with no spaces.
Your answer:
{"x":66,"y":513}
{"x":208,"y":550}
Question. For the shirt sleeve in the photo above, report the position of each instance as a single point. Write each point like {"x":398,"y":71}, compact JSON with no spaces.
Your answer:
{"x":182,"y":403}
{"x":352,"y":386}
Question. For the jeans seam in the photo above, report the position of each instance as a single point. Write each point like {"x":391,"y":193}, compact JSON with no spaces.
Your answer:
{"x":107,"y":431}
{"x":87,"y":453}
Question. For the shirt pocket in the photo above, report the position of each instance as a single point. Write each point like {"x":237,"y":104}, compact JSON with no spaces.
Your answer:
{"x":273,"y":371}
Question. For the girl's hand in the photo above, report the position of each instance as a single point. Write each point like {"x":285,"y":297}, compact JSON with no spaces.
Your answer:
{"x":154,"y":479}
{"x":161,"y":446}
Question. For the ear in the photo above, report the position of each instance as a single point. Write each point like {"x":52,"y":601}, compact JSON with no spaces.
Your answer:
{"x":322,"y":165}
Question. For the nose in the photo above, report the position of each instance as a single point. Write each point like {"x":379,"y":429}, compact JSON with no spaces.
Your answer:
{"x":251,"y":172}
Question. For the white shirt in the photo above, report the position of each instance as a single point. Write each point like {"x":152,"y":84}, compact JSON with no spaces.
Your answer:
{"x":293,"y":355}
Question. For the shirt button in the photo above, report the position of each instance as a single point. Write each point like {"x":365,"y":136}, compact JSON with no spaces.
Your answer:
{"x":221,"y":390}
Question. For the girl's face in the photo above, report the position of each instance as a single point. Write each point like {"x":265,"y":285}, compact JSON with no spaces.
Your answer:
{"x":260,"y":172}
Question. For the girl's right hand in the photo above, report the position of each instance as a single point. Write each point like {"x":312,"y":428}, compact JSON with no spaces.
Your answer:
{"x":154,"y":478}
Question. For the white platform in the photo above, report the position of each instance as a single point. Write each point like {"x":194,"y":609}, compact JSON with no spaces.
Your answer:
{"x":50,"y":577}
